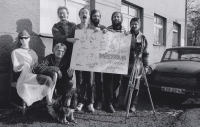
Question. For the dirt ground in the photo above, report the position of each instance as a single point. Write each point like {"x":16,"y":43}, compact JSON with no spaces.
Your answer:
{"x":169,"y":111}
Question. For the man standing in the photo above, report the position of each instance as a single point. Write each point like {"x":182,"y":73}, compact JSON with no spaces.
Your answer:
{"x":111,"y":98}
{"x":95,"y":17}
{"x":84,"y":78}
{"x":61,"y":30}
{"x":138,"y":49}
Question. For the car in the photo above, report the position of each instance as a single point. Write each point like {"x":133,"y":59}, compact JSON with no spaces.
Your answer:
{"x":178,"y":72}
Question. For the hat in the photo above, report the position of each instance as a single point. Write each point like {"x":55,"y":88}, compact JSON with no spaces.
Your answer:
{"x":24,"y":33}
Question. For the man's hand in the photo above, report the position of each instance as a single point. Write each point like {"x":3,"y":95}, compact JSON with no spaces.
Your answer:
{"x":146,"y":70}
{"x":111,"y":30}
{"x":72,"y":40}
{"x":105,"y":31}
{"x":70,"y":72}
{"x":127,"y":33}
{"x":97,"y":29}
{"x":59,"y":74}
{"x":54,"y":68}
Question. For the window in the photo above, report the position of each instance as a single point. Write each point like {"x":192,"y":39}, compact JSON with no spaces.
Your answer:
{"x":128,"y":13}
{"x":48,"y":12}
{"x":176,"y":34}
{"x":159,"y":29}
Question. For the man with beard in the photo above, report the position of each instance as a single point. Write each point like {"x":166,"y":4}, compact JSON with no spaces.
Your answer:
{"x":138,"y":47}
{"x":111,"y":99}
{"x":95,"y":17}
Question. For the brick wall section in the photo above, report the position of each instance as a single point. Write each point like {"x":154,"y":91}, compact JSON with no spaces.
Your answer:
{"x":17,"y":15}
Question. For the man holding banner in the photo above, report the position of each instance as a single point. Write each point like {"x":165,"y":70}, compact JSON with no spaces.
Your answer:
{"x":95,"y":17}
{"x":138,"y":49}
{"x":110,"y":99}
{"x":84,"y":78}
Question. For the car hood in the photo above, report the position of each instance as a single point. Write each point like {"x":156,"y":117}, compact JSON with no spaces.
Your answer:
{"x":182,"y":67}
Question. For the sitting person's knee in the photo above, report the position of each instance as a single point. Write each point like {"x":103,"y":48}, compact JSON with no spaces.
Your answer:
{"x":43,"y":79}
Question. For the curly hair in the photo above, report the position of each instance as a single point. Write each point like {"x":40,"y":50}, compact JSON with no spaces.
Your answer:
{"x":63,"y":7}
{"x":58,"y":46}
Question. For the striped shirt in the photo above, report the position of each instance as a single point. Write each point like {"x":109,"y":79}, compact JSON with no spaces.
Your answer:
{"x":122,"y":30}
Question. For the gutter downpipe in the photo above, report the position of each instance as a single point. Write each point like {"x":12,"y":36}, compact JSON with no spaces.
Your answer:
{"x":185,"y":23}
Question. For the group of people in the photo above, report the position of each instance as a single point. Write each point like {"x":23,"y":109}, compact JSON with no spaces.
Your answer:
{"x":53,"y":76}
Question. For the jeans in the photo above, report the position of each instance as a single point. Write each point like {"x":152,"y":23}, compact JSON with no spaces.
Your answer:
{"x":109,"y":93}
{"x":85,"y":79}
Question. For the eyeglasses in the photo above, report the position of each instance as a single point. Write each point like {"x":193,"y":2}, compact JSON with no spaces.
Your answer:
{"x":23,"y":37}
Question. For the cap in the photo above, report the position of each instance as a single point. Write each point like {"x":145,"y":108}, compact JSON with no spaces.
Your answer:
{"x":24,"y":33}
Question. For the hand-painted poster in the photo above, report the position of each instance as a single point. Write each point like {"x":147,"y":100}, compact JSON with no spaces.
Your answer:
{"x":98,"y":52}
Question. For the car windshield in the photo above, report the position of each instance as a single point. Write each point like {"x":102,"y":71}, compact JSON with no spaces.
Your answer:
{"x":182,"y":55}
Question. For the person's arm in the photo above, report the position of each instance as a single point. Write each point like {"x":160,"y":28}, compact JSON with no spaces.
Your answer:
{"x":145,"y":54}
{"x":70,"y":72}
{"x":103,"y":28}
{"x":59,"y":38}
{"x":44,"y":67}
{"x":72,"y":34}
{"x":17,"y":66}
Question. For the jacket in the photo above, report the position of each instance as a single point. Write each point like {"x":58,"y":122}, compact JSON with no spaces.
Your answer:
{"x":60,"y":33}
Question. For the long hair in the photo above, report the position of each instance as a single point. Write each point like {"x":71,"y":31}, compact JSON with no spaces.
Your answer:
{"x":116,"y":13}
{"x":93,"y":12}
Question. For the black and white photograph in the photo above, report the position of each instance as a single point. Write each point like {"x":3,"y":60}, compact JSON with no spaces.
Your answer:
{"x":100,"y":63}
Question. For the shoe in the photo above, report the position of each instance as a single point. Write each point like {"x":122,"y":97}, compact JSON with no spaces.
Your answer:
{"x":90,"y":108}
{"x":51,"y":111}
{"x":99,"y":106}
{"x":79,"y":107}
{"x":132,"y":109}
{"x":111,"y":109}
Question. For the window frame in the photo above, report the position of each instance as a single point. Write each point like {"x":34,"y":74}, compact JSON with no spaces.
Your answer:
{"x":178,"y":31}
{"x":127,"y":15}
{"x":162,"y":26}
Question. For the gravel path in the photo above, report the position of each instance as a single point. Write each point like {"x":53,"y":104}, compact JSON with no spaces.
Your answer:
{"x":169,"y":112}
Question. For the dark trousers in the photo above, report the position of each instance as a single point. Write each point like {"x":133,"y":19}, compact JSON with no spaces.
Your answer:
{"x":125,"y":82}
{"x":84,"y":79}
{"x":109,"y":92}
{"x":98,"y":83}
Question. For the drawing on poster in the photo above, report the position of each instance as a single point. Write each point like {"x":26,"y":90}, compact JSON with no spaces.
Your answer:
{"x":98,"y":52}
{"x":123,"y":44}
{"x":91,"y":60}
{"x":84,"y":38}
{"x":104,"y":41}
{"x":79,"y":58}
{"x":93,"y":38}
{"x":114,"y":46}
